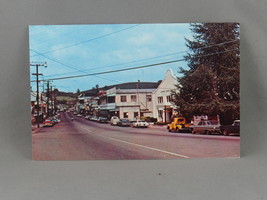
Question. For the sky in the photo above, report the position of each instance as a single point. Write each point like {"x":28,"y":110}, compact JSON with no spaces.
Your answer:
{"x":71,"y":50}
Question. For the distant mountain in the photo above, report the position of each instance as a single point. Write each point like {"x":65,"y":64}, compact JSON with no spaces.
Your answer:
{"x":57,"y":93}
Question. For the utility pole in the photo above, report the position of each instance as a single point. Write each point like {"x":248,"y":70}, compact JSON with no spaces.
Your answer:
{"x":37,"y":65}
{"x":54,"y":98}
{"x":47,"y":96}
{"x":51,"y":97}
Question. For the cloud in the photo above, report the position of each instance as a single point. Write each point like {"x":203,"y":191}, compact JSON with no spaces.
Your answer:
{"x":141,"y":39}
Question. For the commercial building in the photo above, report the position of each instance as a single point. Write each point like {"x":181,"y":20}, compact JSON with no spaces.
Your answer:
{"x":129,"y":100}
{"x":132,"y":100}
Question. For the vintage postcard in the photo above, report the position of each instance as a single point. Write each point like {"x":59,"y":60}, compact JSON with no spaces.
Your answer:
{"x":135,"y":91}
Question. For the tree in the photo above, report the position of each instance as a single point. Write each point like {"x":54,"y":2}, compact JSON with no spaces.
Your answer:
{"x":210,"y":85}
{"x":78,"y":91}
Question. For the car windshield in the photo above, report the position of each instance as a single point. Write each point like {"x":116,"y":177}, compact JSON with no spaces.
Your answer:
{"x":125,"y":120}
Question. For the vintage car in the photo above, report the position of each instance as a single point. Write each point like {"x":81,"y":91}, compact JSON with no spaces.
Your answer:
{"x":140,"y":124}
{"x":124,"y":122}
{"x":48,"y":123}
{"x":233,"y":128}
{"x":206,"y":127}
{"x":114,"y":120}
{"x":102,"y":120}
{"x":178,"y":124}
{"x":93,"y":118}
{"x":87,"y":117}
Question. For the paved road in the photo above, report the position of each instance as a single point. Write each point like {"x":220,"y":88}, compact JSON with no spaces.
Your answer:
{"x":86,"y":140}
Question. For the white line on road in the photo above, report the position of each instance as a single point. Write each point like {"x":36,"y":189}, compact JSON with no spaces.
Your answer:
{"x":87,"y":129}
{"x":151,"y":148}
{"x":139,"y":145}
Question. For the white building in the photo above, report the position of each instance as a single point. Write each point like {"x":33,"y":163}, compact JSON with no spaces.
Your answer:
{"x":163,"y":109}
{"x":130,"y":100}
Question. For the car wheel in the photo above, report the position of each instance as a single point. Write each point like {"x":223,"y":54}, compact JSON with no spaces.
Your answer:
{"x":225,"y":132}
{"x":207,"y":132}
{"x":177,"y":130}
{"x":193,"y":132}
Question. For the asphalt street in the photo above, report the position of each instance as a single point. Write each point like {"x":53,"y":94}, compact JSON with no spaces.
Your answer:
{"x":86,"y":140}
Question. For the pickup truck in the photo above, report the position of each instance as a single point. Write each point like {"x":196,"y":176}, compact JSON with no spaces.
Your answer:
{"x":206,"y":127}
{"x":233,"y":128}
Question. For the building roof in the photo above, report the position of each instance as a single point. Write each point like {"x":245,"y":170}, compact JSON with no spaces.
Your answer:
{"x":129,"y":85}
{"x":133,"y":91}
{"x":138,"y":85}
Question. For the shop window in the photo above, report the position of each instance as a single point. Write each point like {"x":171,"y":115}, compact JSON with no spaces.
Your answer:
{"x":125,"y":115}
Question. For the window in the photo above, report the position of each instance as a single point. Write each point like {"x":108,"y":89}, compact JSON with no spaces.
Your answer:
{"x":125,"y":115}
{"x":135,"y":114}
{"x":160,"y":99}
{"x":111,"y":99}
{"x":148,"y":98}
{"x":133,"y":98}
{"x":168,"y":98}
{"x":123,"y":99}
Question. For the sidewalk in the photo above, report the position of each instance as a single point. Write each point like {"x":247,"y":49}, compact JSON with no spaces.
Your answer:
{"x":158,"y":126}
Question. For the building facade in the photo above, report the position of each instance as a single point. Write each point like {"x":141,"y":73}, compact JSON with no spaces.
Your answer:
{"x":163,"y":108}
{"x":129,"y":100}
{"x":132,"y":100}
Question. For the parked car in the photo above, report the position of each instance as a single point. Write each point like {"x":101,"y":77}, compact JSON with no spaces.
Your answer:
{"x":114,"y":120}
{"x":102,"y":120}
{"x":206,"y":127}
{"x":87,"y":117}
{"x":140,"y":124}
{"x":94,"y":118}
{"x":233,"y":128}
{"x":124,"y":122}
{"x":55,"y":119}
{"x":79,"y":115}
{"x":48,"y":123}
{"x":178,"y":124}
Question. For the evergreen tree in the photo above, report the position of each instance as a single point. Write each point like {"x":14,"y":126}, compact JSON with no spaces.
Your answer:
{"x":211,"y":84}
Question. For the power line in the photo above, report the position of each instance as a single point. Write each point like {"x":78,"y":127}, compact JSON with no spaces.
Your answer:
{"x":96,"y":38}
{"x":71,"y":66}
{"x":57,"y":61}
{"x":138,"y":67}
{"x":86,"y":70}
